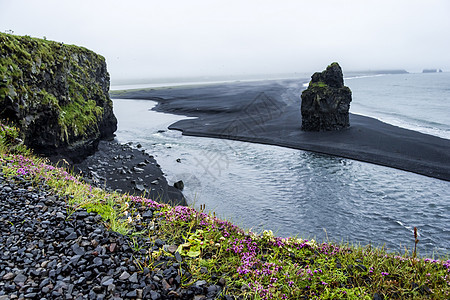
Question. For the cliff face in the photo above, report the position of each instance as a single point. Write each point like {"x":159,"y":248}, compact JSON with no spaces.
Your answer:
{"x":56,"y":94}
{"x":326,"y":101}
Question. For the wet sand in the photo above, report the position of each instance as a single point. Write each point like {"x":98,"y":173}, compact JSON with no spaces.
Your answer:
{"x":268,"y":112}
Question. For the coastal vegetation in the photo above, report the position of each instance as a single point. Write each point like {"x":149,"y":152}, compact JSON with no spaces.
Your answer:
{"x":248,"y":265}
{"x":58,"y":89}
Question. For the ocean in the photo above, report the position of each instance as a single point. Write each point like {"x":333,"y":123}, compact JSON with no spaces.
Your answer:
{"x":419,"y":102}
{"x":310,"y":195}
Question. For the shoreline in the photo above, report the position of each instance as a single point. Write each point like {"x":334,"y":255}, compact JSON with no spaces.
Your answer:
{"x":127,"y":170}
{"x":268,"y":112}
{"x":433,"y":170}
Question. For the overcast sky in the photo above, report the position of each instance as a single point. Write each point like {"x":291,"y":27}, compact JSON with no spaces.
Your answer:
{"x":192,"y":38}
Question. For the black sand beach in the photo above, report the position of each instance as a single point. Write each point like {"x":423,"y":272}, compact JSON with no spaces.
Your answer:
{"x":124,"y":169}
{"x":268,"y":112}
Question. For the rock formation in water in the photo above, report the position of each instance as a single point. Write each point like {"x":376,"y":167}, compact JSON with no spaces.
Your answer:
{"x":56,"y":94}
{"x":326,"y":101}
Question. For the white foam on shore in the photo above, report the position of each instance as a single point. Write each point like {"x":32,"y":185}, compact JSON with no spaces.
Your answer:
{"x":363,"y":76}
{"x":445,"y":134}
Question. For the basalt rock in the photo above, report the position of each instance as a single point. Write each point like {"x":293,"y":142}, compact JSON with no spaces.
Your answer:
{"x":56,"y":94}
{"x":326,"y":101}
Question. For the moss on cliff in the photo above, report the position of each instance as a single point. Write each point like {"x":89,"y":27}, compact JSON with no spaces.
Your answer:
{"x":319,"y":84}
{"x":62,"y":85}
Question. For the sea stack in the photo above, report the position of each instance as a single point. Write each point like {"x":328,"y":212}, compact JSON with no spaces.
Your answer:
{"x":326,"y":101}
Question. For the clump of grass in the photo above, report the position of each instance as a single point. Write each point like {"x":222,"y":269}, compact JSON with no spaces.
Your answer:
{"x":252,"y":266}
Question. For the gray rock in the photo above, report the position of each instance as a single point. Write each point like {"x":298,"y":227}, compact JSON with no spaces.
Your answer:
{"x":133,"y":278}
{"x":97,"y":261}
{"x":179,"y":185}
{"x":200,"y":283}
{"x":140,"y":187}
{"x":20,"y":278}
{"x":138,"y":170}
{"x":155,"y":295}
{"x":106,"y":281}
{"x":178,"y":257}
{"x":8,"y":276}
{"x":111,"y":288}
{"x":78,"y":250}
{"x":159,"y":243}
{"x":71,"y":236}
{"x":132,"y":294}
{"x":124,"y":276}
{"x":30,"y":295}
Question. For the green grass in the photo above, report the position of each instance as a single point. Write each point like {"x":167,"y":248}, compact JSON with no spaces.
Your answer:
{"x":254,"y":266}
{"x":319,"y":84}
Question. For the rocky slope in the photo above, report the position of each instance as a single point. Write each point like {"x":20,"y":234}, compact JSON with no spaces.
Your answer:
{"x":56,"y":94}
{"x":48,"y":251}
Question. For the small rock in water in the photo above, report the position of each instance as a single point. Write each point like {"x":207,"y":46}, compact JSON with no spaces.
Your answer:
{"x":179,"y":185}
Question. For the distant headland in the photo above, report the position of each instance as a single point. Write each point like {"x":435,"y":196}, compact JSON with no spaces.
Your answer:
{"x":432,"y":71}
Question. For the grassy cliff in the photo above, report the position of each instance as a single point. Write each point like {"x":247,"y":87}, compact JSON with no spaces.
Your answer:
{"x":56,"y":94}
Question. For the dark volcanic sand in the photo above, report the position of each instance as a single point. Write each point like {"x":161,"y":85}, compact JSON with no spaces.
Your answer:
{"x":268,"y":112}
{"x":128,"y":170}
